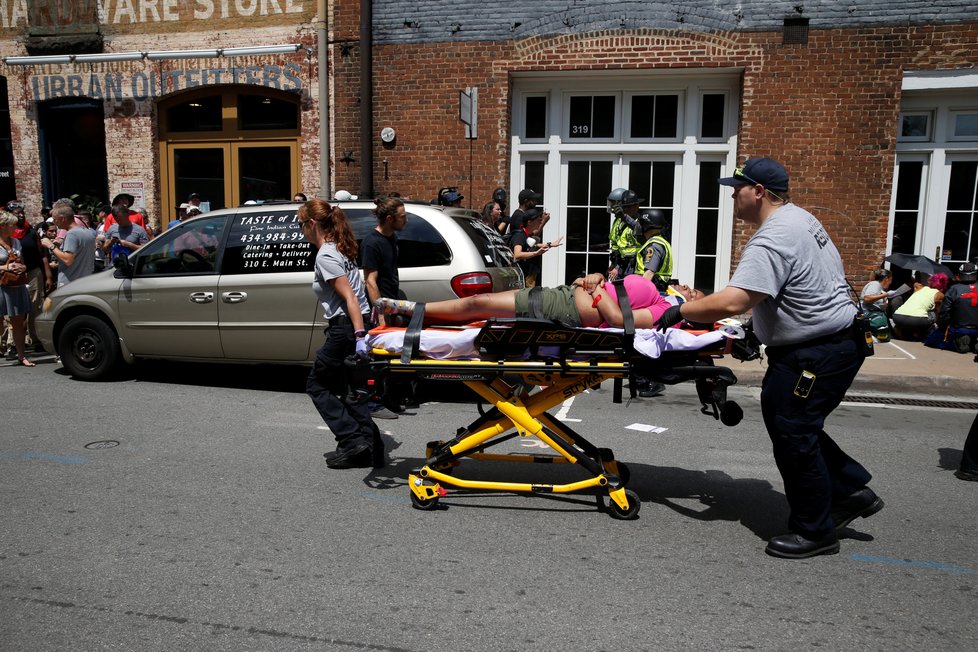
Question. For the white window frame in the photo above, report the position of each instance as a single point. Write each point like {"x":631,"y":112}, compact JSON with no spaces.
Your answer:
{"x":926,"y":138}
{"x":728,"y":127}
{"x":626,"y":113}
{"x":522,"y":123}
{"x":565,"y":119}
{"x":953,"y":116}
{"x":945,"y":93}
{"x":693,"y":83}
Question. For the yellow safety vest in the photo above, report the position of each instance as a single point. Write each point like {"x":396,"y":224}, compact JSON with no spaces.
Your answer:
{"x":623,"y":239}
{"x":665,"y":269}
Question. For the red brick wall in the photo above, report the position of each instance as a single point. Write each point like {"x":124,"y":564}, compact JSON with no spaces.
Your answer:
{"x":827,"y":110}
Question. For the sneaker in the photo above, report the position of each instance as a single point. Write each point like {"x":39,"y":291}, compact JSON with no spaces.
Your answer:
{"x":382,"y":413}
{"x":12,"y":354}
{"x":386,"y":306}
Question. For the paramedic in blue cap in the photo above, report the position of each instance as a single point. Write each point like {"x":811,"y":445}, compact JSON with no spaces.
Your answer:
{"x":791,"y":274}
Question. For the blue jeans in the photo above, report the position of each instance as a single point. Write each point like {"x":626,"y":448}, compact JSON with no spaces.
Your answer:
{"x":814,"y":469}
{"x":327,"y":387}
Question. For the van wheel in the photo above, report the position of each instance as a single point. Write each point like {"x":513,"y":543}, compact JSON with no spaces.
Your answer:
{"x":89,"y":348}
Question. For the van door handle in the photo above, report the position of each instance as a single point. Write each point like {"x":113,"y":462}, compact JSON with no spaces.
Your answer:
{"x":234,"y":297}
{"x":201,"y":297}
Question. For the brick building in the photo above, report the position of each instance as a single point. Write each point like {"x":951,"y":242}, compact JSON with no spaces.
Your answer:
{"x":872,"y":107}
{"x":159,"y":99}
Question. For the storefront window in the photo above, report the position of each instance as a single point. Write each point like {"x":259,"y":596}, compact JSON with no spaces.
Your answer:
{"x":198,"y":114}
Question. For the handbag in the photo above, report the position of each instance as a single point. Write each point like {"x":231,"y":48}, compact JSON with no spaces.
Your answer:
{"x":8,"y":278}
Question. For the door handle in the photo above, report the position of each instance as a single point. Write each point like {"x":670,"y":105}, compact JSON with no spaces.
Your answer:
{"x":234,"y":297}
{"x":201,"y":297}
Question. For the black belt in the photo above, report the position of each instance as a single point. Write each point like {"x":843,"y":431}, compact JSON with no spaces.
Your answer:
{"x":341,"y":319}
{"x":841,"y":336}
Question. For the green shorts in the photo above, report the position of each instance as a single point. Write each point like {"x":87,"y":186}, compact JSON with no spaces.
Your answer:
{"x":557,"y":303}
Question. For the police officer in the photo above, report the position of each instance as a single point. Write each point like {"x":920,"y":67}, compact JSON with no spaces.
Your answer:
{"x":654,"y":257}
{"x":959,"y":310}
{"x":623,"y":204}
{"x":791,"y":274}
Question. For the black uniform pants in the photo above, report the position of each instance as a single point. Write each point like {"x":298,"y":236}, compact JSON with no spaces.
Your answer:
{"x":814,"y":468}
{"x":969,"y":458}
{"x":327,"y":387}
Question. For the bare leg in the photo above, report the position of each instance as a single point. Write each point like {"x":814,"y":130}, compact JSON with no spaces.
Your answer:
{"x":18,"y":325}
{"x":480,"y":306}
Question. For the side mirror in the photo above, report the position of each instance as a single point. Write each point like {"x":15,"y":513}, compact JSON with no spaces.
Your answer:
{"x":123,"y":268}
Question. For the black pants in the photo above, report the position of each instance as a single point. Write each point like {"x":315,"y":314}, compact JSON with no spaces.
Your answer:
{"x":327,"y":387}
{"x":814,"y":468}
{"x":969,"y":461}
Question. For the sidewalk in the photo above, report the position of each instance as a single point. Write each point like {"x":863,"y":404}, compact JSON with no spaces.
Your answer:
{"x":897,"y":367}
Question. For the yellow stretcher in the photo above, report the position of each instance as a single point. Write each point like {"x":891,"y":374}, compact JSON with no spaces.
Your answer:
{"x":563,"y":362}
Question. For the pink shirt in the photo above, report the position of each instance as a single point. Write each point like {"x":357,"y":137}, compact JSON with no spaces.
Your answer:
{"x":642,"y":294}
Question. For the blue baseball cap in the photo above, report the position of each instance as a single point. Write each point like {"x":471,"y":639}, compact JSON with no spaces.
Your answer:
{"x":767,"y":172}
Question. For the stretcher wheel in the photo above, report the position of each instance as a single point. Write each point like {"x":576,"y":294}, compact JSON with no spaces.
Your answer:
{"x":428,"y":504}
{"x":634,"y":504}
{"x":731,"y":413}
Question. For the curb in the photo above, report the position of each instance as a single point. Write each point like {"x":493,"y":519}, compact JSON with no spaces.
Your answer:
{"x":931,"y":385}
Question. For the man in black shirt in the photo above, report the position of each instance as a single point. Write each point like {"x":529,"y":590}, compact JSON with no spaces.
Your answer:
{"x":378,"y":251}
{"x":528,"y":199}
{"x":378,"y":258}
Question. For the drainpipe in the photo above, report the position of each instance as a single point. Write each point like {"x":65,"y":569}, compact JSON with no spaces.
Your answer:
{"x":325,"y":148}
{"x":366,"y":99}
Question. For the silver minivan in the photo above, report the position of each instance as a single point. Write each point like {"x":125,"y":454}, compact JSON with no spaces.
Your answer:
{"x":235,"y":285}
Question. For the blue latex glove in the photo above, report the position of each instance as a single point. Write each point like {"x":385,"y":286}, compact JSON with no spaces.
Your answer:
{"x":363,"y":350}
{"x":670,"y":317}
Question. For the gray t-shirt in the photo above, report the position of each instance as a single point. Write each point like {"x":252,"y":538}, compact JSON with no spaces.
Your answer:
{"x":873,"y":287}
{"x":80,"y":241}
{"x":330,"y":264}
{"x":792,"y":260}
{"x":132,"y":233}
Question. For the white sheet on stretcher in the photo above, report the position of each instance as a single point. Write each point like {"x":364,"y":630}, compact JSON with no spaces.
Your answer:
{"x":460,"y":344}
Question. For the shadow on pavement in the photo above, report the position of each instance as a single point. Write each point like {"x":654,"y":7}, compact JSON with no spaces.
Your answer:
{"x":280,"y":378}
{"x":754,"y":503}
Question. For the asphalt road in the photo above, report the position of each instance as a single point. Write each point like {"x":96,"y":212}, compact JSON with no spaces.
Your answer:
{"x":214,"y":524}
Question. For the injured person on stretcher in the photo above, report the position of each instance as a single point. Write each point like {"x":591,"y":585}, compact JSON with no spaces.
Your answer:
{"x":589,"y":301}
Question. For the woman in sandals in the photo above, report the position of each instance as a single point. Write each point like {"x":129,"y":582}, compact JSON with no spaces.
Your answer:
{"x":15,"y":301}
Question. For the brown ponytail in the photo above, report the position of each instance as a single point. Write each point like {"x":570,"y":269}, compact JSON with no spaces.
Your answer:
{"x":332,"y":220}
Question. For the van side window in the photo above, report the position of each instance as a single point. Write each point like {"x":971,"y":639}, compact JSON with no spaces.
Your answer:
{"x":267,"y":243}
{"x":418,"y":245}
{"x":190,"y":248}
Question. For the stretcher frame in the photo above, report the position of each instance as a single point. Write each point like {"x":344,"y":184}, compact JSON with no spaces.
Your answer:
{"x":585,"y":358}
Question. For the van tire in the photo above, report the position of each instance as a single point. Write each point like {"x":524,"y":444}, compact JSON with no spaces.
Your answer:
{"x":89,"y":348}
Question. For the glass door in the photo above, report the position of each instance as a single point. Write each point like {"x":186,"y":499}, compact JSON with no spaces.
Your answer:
{"x":229,"y":144}
{"x":265,"y":171}
{"x":201,"y":169}
{"x":229,"y":174}
{"x":960,"y":241}
{"x":587,"y":183}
